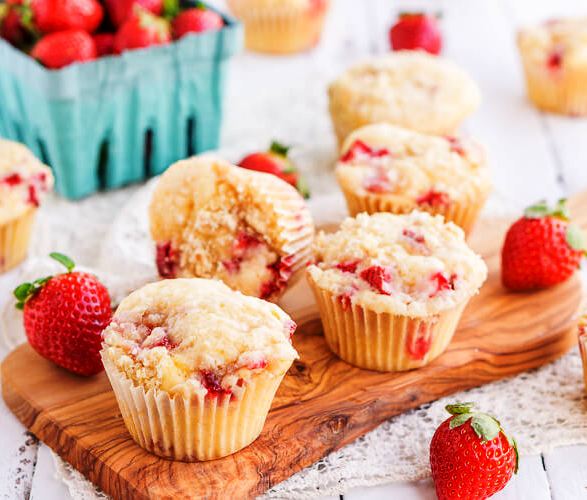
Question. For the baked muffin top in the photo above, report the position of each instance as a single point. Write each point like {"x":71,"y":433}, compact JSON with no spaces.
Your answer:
{"x":197,"y":336}
{"x":556,"y":42}
{"x":387,"y":160}
{"x":23,"y":180}
{"x":415,"y":265}
{"x":410,"y":88}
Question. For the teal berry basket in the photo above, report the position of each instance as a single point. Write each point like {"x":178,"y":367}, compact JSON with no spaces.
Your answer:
{"x":120,"y":119}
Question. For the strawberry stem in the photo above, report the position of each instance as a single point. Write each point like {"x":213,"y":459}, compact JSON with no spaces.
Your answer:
{"x":63,"y":259}
{"x":279,"y":149}
{"x":542,"y":209}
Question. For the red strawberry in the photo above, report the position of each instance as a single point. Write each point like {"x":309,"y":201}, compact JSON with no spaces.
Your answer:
{"x":360,"y":151}
{"x":120,"y":10}
{"x":60,"y":49}
{"x":275,"y":161}
{"x":470,"y":455}
{"x":104,"y":44}
{"x":414,"y":31}
{"x":49,"y":16}
{"x":379,"y":278}
{"x":196,"y":20}
{"x":541,"y":249}
{"x":142,"y":29}
{"x":12,"y":28}
{"x":64,"y":316}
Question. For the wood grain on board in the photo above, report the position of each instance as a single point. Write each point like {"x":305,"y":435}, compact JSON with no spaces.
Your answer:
{"x":322,"y":404}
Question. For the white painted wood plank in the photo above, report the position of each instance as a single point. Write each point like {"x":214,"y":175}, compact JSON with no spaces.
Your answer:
{"x":46,"y":485}
{"x":566,"y":468}
{"x":567,"y":134}
{"x":480,"y":37}
{"x":529,"y":484}
{"x":420,"y":490}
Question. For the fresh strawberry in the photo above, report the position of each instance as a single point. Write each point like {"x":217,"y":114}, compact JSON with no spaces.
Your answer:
{"x":60,"y":49}
{"x":104,"y":44}
{"x":541,"y":249}
{"x":64,"y":316}
{"x":142,"y":29}
{"x":379,"y":278}
{"x":12,"y":29}
{"x":276,"y":161}
{"x":414,"y":31}
{"x":196,"y":20}
{"x":49,"y":16}
{"x":121,"y":10}
{"x":470,"y":455}
{"x":361,"y":151}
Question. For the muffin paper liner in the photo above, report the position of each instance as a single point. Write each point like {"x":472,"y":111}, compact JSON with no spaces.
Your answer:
{"x":197,"y":428}
{"x":279,"y":29}
{"x":15,"y":236}
{"x":295,"y":225}
{"x":463,"y":214}
{"x":383,"y":341}
{"x":558,"y":91}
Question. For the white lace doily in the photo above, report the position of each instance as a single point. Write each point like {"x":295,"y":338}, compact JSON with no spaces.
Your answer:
{"x":544,"y":408}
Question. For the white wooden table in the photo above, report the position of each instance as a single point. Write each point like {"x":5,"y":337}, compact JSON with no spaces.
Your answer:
{"x":533,"y":156}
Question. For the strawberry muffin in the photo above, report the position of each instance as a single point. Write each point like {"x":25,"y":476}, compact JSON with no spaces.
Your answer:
{"x":24,"y":180}
{"x":384,"y":168}
{"x":412,"y":89}
{"x":554,"y":56}
{"x":391,"y":288}
{"x":211,"y":219}
{"x":195,"y":366}
{"x":281,"y":26}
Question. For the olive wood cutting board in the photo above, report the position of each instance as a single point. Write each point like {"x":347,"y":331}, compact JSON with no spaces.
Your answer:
{"x":322,"y":404}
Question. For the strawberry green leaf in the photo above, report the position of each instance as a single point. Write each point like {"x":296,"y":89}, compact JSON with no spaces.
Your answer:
{"x":279,"y":149}
{"x":542,"y":209}
{"x":170,"y":8}
{"x":459,"y":408}
{"x":515,"y":446}
{"x":575,"y":237}
{"x":560,"y":209}
{"x":485,"y":426}
{"x":22,"y":291}
{"x":63,"y":259}
{"x":537,"y":211}
{"x":303,"y":188}
{"x":459,"y":420}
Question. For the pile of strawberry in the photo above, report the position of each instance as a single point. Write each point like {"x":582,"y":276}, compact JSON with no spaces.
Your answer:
{"x":62,"y":32}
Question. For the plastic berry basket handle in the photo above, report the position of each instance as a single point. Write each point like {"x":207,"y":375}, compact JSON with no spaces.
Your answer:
{"x":119,"y":119}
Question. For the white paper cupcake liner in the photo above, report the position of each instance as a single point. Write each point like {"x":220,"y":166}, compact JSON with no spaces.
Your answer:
{"x":197,"y":428}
